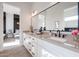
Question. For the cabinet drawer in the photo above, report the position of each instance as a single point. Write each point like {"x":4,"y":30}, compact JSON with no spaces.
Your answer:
{"x":34,"y":40}
{"x":34,"y":51}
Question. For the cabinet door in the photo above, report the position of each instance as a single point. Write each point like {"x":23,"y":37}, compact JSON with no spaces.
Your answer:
{"x":35,"y":49}
{"x":34,"y":40}
{"x":44,"y":53}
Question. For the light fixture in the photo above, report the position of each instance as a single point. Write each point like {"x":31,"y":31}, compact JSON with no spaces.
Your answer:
{"x":34,"y":12}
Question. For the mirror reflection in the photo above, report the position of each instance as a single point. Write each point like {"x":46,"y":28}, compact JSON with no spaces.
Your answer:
{"x":63,"y":16}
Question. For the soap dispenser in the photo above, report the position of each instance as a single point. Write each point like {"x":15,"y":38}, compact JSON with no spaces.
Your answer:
{"x":40,"y":30}
{"x":44,"y":28}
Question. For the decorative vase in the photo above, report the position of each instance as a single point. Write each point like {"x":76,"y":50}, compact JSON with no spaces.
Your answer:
{"x":77,"y":44}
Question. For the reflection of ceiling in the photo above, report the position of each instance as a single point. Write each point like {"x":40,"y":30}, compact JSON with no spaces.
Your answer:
{"x":61,"y":6}
{"x":68,"y":4}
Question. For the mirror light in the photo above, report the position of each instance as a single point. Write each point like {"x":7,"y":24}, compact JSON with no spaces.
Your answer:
{"x":34,"y":12}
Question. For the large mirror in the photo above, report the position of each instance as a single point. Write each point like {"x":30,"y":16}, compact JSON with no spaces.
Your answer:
{"x":39,"y":20}
{"x":62,"y":16}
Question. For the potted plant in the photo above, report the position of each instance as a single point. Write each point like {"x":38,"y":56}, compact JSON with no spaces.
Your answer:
{"x":75,"y":34}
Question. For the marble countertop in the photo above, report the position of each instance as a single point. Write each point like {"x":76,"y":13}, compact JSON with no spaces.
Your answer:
{"x":48,"y":39}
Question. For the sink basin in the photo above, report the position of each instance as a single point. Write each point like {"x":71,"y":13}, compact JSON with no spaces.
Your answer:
{"x":46,"y":36}
{"x":58,"y":39}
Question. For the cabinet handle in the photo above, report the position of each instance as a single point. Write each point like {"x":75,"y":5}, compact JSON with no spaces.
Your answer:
{"x":29,"y":37}
{"x":29,"y":42}
{"x":33,"y":53}
{"x":32,"y":45}
{"x":24,"y":38}
{"x":32,"y":38}
{"x":29,"y":49}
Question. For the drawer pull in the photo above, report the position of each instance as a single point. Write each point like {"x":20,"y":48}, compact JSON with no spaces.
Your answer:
{"x":29,"y":37}
{"x":33,"y":53}
{"x":29,"y":49}
{"x":33,"y":39}
{"x":29,"y":43}
{"x":24,"y":38}
{"x":32,"y":45}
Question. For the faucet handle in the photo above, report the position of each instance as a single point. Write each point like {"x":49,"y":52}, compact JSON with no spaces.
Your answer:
{"x":63,"y":36}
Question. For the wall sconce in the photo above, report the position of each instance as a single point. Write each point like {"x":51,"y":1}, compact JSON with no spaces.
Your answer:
{"x":34,"y":12}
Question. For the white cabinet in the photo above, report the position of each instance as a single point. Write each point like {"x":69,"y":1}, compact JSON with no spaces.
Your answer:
{"x":44,"y":53}
{"x":30,"y":44}
{"x":35,"y":46}
{"x":42,"y":48}
{"x":35,"y":49}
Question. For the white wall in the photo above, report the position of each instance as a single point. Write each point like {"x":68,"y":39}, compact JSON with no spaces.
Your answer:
{"x":1,"y":26}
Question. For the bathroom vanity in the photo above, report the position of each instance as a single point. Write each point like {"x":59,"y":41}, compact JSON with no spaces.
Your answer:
{"x":62,"y":17}
{"x":47,"y":46}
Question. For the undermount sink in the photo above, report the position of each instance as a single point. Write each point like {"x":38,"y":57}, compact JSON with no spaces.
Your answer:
{"x":58,"y":39}
{"x":47,"y":36}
